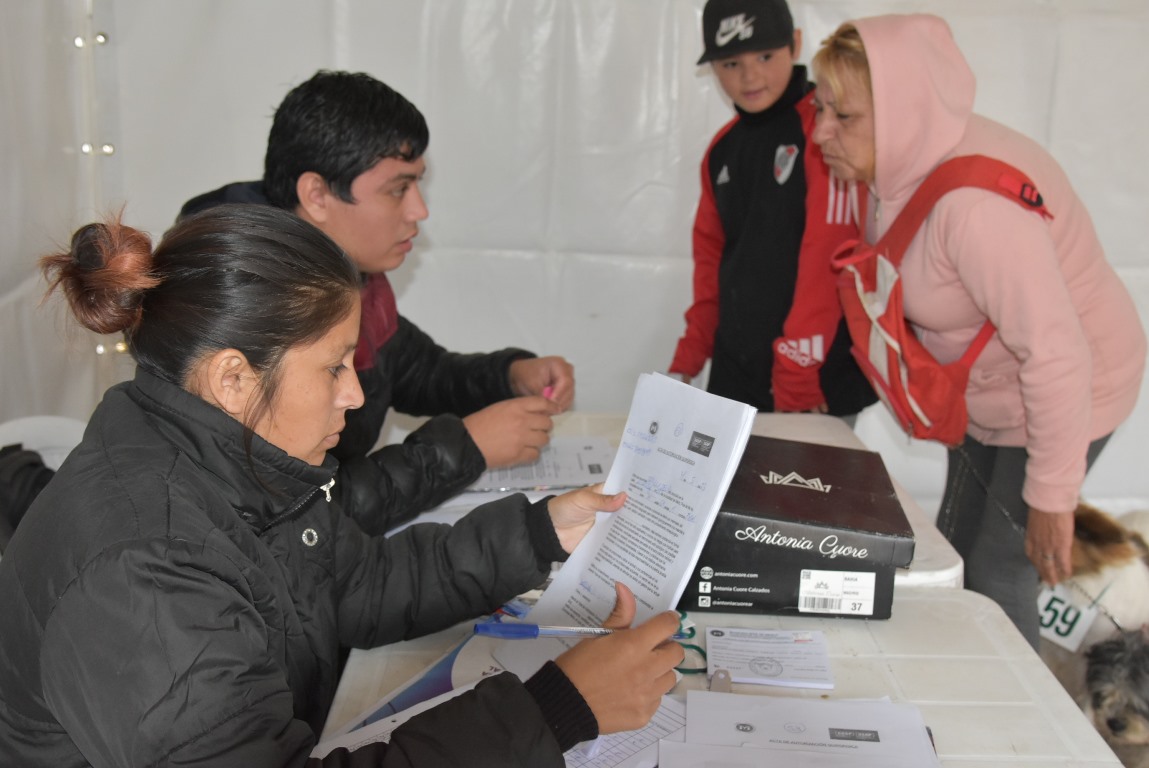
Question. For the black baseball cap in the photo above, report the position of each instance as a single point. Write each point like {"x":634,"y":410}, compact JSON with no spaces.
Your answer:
{"x":730,"y":27}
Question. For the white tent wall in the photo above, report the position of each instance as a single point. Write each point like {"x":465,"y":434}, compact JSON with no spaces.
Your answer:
{"x":52,"y":96}
{"x":563,"y":165}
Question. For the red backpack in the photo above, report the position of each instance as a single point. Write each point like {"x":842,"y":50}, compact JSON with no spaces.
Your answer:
{"x":925,"y":397}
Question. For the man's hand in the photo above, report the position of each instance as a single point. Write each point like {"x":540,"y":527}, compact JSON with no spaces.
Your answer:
{"x":512,"y":431}
{"x":549,"y":377}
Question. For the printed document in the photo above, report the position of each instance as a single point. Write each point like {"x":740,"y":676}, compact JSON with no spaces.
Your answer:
{"x":632,"y":749}
{"x":796,"y":658}
{"x":677,"y":454}
{"x":866,"y":732}
{"x":567,"y":461}
{"x":683,"y":755}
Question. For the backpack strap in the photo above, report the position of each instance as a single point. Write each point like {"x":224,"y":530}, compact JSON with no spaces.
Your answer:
{"x":965,"y":171}
{"x":977,"y":345}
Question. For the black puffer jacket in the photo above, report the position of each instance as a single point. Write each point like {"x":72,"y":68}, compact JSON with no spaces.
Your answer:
{"x":416,"y":376}
{"x":162,"y":606}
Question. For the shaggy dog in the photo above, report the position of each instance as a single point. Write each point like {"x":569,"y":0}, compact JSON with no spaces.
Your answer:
{"x":1111,"y":570}
{"x":1117,"y":677}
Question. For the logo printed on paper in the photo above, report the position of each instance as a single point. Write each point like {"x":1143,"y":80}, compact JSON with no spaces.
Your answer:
{"x":784,"y":161}
{"x":764,"y":666}
{"x":707,"y":572}
{"x":796,"y":481}
{"x":734,"y":26}
{"x":723,"y":176}
{"x":700,"y":444}
{"x":804,"y":352}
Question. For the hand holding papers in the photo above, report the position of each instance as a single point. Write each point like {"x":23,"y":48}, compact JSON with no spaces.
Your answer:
{"x":677,"y":454}
{"x":678,"y":451}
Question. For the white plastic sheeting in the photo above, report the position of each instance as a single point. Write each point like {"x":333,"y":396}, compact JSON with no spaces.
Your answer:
{"x":563,"y":164}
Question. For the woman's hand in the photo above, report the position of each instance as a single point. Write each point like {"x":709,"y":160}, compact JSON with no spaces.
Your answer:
{"x":1049,"y":544}
{"x":573,"y":513}
{"x":623,"y":676}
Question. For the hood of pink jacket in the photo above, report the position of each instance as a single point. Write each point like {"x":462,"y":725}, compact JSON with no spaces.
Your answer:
{"x":923,"y":99}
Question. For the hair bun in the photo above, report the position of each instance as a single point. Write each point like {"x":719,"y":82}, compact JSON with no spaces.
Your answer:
{"x":104,"y":275}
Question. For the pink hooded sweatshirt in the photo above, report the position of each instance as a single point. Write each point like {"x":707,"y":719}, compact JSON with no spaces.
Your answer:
{"x":1066,"y":363}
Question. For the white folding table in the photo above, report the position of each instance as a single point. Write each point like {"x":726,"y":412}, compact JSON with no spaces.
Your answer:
{"x":988,"y":699}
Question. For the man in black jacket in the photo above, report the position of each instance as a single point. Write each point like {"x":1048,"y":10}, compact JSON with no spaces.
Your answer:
{"x":345,"y":153}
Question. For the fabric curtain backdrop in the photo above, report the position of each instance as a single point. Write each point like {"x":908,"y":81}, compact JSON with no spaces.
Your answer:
{"x":563,"y":164}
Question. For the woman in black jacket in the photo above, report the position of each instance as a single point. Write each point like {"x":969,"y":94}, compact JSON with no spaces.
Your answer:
{"x":179,"y":592}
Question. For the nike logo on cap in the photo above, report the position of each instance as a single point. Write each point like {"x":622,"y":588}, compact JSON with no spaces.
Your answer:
{"x":734,"y":26}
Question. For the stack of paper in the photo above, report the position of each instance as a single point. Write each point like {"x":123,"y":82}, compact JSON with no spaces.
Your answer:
{"x":726,"y":729}
{"x":678,"y":452}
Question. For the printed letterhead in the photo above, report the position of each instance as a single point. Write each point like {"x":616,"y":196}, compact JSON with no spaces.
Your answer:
{"x":676,"y":457}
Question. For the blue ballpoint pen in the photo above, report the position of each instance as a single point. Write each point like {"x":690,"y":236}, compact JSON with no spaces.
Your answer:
{"x":515,"y":631}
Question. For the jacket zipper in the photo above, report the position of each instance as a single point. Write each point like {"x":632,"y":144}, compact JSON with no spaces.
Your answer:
{"x":300,"y":506}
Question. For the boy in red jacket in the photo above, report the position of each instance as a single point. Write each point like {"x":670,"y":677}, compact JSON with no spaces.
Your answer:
{"x":765,"y":308}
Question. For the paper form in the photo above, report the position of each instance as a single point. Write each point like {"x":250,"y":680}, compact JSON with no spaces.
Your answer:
{"x":684,"y":755}
{"x":675,"y":460}
{"x":867,"y":732}
{"x":797,"y":658}
{"x":632,"y":749}
{"x":567,"y":461}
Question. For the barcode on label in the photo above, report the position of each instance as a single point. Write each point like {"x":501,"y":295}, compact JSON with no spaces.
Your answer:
{"x":820,"y":604}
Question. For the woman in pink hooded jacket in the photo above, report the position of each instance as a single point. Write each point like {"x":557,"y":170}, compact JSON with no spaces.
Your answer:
{"x":894,"y":100}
